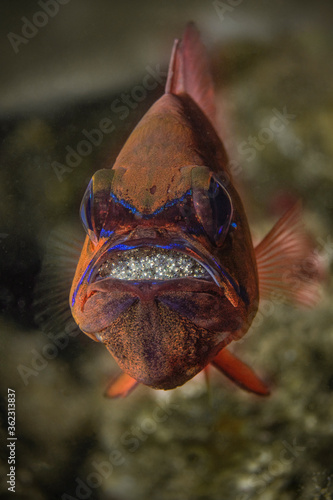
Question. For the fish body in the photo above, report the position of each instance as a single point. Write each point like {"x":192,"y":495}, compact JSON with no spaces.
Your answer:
{"x":168,"y":274}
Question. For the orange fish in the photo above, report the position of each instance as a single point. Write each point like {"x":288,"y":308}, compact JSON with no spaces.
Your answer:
{"x":168,"y":275}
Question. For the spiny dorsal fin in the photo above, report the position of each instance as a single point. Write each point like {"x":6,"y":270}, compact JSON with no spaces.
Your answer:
{"x":288,"y":265}
{"x":189,"y":72}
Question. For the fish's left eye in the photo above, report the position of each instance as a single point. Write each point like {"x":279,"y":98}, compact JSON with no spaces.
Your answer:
{"x":94,"y":204}
{"x":212,"y":204}
{"x":86,"y":209}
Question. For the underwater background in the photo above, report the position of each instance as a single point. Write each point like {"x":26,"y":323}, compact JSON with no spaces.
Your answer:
{"x":65,"y":67}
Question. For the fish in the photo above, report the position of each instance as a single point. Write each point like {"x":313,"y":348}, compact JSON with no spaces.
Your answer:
{"x":168,"y":275}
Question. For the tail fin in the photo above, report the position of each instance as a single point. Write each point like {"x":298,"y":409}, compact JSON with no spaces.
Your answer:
{"x":189,"y":72}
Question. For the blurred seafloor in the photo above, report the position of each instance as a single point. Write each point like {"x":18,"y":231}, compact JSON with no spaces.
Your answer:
{"x":185,"y":444}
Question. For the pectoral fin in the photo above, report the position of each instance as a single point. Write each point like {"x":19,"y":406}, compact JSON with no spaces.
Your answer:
{"x":239,"y":372}
{"x":121,"y":386}
{"x":289,"y":267}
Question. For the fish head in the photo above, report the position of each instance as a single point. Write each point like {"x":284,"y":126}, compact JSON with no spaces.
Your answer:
{"x":166,"y":288}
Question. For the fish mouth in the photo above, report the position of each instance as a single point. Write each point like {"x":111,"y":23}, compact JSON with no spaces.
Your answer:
{"x":150,"y":263}
{"x":149,"y":266}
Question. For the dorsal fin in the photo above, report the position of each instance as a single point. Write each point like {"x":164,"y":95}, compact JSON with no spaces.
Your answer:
{"x":189,"y":72}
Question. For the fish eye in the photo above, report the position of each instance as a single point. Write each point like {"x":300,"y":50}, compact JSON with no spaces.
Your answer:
{"x":94,"y":203}
{"x":86,"y":212}
{"x":212,"y":204}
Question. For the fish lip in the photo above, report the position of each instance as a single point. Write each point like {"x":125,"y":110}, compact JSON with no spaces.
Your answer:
{"x":147,"y":290}
{"x":216,"y":273}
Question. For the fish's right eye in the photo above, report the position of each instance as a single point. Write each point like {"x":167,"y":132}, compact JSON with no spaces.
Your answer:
{"x":212,"y":203}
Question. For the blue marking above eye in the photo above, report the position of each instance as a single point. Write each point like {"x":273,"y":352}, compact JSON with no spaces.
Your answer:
{"x":169,"y":204}
{"x":124,"y":203}
{"x":134,"y":210}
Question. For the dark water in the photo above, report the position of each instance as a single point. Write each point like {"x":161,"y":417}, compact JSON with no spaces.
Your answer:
{"x":61,"y":79}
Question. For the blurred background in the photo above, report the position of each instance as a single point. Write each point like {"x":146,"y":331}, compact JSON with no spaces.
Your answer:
{"x":66,"y":67}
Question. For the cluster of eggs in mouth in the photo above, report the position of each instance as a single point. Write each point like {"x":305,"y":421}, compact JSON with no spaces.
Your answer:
{"x":150,"y":264}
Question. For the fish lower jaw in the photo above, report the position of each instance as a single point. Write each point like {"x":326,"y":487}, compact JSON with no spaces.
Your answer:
{"x":150,"y":264}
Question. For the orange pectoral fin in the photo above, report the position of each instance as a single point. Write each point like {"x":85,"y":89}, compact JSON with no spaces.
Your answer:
{"x":239,"y":372}
{"x":121,"y":386}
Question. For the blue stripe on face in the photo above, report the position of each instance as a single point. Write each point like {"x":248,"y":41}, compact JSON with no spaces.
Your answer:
{"x":89,"y":269}
{"x":106,"y":234}
{"x":168,"y":204}
{"x":124,"y":204}
{"x":79,"y":284}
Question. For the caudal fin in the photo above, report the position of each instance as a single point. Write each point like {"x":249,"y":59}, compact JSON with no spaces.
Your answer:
{"x":189,"y":72}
